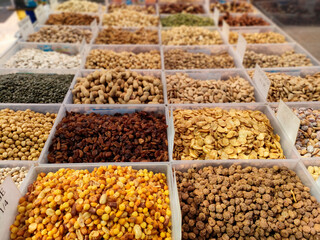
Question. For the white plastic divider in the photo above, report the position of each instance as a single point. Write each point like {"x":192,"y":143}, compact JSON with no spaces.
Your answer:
{"x":102,"y":109}
{"x":288,"y":150}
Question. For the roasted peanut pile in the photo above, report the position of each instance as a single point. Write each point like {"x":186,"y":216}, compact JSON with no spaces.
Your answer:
{"x":121,"y":36}
{"x":215,"y":133}
{"x":246,"y":203}
{"x":108,"y":203}
{"x":18,"y":174}
{"x":172,"y":8}
{"x":186,"y":19}
{"x":253,"y":38}
{"x":234,"y":7}
{"x":185,"y":35}
{"x":131,"y":137}
{"x":287,"y":59}
{"x":60,"y":34}
{"x":67,"y":18}
{"x":184,"y":89}
{"x":118,"y":86}
{"x":307,"y":142}
{"x":129,"y":18}
{"x":243,"y":20}
{"x":181,"y":59}
{"x":139,"y":8}
{"x":108,"y":59}
{"x":23,"y":133}
{"x":314,"y":171}
{"x":79,"y":6}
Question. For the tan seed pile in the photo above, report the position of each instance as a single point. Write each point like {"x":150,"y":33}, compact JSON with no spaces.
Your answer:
{"x":108,"y":59}
{"x":253,"y":38}
{"x":138,"y":8}
{"x":215,"y":133}
{"x":79,"y":6}
{"x":186,"y":35}
{"x":18,"y":174}
{"x":183,"y":89}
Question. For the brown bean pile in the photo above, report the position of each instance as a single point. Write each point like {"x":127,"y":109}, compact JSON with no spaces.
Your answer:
{"x":172,"y":8}
{"x":246,"y":203}
{"x":117,"y":86}
{"x":71,"y":19}
{"x":243,"y":20}
{"x":121,"y":36}
{"x":234,"y":7}
{"x":181,"y":59}
{"x":108,"y":59}
{"x":139,"y":8}
{"x":131,"y":137}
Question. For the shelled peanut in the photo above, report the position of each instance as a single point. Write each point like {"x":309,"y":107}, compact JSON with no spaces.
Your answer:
{"x":67,"y":18}
{"x":243,"y":20}
{"x":80,"y":6}
{"x":232,"y":7}
{"x":286,"y":59}
{"x":108,"y":203}
{"x":183,"y":89}
{"x":18,"y":174}
{"x":172,"y":8}
{"x":121,"y":36}
{"x":61,"y":34}
{"x":108,"y":59}
{"x":117,"y":86}
{"x":314,"y":171}
{"x":182,"y":59}
{"x":129,"y":18}
{"x":239,"y":202}
{"x":253,"y":38}
{"x":185,"y":35}
{"x":215,"y":133}
{"x":138,"y":8}
{"x":23,"y":133}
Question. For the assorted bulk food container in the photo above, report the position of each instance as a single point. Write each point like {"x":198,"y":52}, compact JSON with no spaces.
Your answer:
{"x":148,"y":122}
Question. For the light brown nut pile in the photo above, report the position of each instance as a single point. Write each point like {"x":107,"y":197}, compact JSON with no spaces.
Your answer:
{"x":18,"y":174}
{"x":61,"y":34}
{"x":23,"y":133}
{"x":184,"y":89}
{"x":186,"y":35}
{"x":129,"y":18}
{"x":117,"y":86}
{"x":232,"y":7}
{"x":122,"y":36}
{"x":67,"y":18}
{"x":181,"y":59}
{"x":287,"y":59}
{"x":215,"y":133}
{"x":108,"y":59}
{"x":253,"y":38}
{"x":138,"y":8}
{"x":314,"y":171}
{"x":246,"y":203}
{"x":79,"y":6}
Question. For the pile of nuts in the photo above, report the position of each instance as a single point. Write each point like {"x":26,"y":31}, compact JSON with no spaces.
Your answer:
{"x":23,"y":133}
{"x":287,"y":59}
{"x":121,"y":36}
{"x":60,"y":34}
{"x":186,"y":19}
{"x":108,"y":203}
{"x":108,"y":59}
{"x":182,"y":59}
{"x":215,"y":133}
{"x":131,"y":137}
{"x":37,"y":59}
{"x":246,"y":203}
{"x":67,"y":18}
{"x":186,"y":35}
{"x":129,"y":18}
{"x":18,"y":174}
{"x":308,"y":138}
{"x":253,"y":38}
{"x":314,"y":171}
{"x":79,"y":6}
{"x":171,"y":8}
{"x":232,"y":7}
{"x":117,"y":86}
{"x":138,"y":8}
{"x":183,"y":89}
{"x":243,"y":20}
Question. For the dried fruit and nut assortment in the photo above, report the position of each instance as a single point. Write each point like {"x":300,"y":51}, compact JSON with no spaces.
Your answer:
{"x":118,"y":119}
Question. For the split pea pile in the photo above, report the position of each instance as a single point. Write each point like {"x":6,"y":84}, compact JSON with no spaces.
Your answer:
{"x":215,"y":133}
{"x":314,"y":171}
{"x":107,"y":203}
{"x":118,"y":86}
{"x":184,"y":89}
{"x":253,"y":38}
{"x":23,"y":133}
{"x":79,"y":6}
{"x":17,"y":174}
{"x":246,"y":203}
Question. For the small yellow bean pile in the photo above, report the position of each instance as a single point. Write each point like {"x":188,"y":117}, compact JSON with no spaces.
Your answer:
{"x":108,"y":203}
